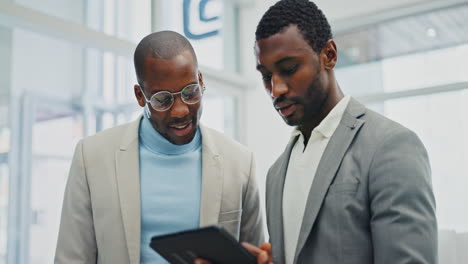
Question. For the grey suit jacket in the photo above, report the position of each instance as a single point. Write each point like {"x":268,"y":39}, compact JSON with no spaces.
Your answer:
{"x":371,"y":200}
{"x":101,"y":210}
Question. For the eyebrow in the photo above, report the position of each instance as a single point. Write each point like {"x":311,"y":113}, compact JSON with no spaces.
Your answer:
{"x":157,"y":91}
{"x":286,"y":59}
{"x":283,"y":60}
{"x":260,"y":67}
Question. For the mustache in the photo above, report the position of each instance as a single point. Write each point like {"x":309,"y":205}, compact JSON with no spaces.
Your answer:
{"x":283,"y":101}
{"x":178,"y":121}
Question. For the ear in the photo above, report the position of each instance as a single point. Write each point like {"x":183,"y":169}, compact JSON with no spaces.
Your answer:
{"x":139,"y":95}
{"x":200,"y":79}
{"x":329,"y":55}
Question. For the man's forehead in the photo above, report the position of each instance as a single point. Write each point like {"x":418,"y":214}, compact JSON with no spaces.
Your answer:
{"x":182,"y":59}
{"x":176,"y":71}
{"x":291,"y":38}
{"x":271,"y":51}
{"x":178,"y":65}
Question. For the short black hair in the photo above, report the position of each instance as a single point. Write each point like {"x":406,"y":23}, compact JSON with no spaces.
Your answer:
{"x":163,"y":45}
{"x":309,"y":19}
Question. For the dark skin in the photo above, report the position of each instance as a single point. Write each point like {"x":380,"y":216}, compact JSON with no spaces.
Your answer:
{"x":262,"y":253}
{"x":300,"y":81}
{"x":302,"y":86}
{"x":179,"y":123}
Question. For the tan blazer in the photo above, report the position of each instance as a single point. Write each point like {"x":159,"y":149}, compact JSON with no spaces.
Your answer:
{"x":101,"y":210}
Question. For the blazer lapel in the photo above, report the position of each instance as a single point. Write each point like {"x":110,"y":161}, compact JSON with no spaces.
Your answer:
{"x":328,"y":166}
{"x":128,"y":182}
{"x":276,"y":177}
{"x":212,"y":180}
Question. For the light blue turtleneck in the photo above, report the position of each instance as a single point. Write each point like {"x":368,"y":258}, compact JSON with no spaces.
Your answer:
{"x":170,"y":187}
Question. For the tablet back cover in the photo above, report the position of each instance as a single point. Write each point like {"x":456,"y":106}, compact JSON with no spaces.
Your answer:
{"x":211,"y":243}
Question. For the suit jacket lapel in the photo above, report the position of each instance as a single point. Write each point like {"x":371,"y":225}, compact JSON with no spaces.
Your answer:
{"x":212,"y":180}
{"x":328,"y":166}
{"x":128,"y":182}
{"x":274,"y":202}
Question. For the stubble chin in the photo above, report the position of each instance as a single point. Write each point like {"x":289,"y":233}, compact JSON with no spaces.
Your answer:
{"x":292,"y":121}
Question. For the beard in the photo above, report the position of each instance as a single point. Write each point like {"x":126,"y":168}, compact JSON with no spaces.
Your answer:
{"x":316,"y":98}
{"x":310,"y":106}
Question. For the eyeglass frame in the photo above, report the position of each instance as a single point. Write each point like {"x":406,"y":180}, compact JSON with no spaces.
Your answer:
{"x":173,"y":96}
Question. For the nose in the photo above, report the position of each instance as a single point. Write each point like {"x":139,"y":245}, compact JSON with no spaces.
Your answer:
{"x":278,"y":86}
{"x":179,"y":109}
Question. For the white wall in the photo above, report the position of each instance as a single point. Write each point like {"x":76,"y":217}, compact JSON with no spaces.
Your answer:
{"x":336,"y":10}
{"x":61,"y":73}
{"x":265,"y":133}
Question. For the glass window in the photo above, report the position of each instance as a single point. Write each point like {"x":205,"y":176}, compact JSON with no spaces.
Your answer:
{"x":109,"y":86}
{"x":362,"y":79}
{"x":412,"y":71}
{"x":405,"y":53}
{"x":69,"y":10}
{"x":51,"y":67}
{"x":201,"y":21}
{"x":62,"y":91}
{"x":52,"y":153}
{"x":128,"y":20}
{"x":48,"y":180}
{"x":218,"y":113}
{"x":49,"y":119}
{"x":436,"y":67}
{"x":125,"y":79}
{"x":420,"y":32}
{"x":55,"y":133}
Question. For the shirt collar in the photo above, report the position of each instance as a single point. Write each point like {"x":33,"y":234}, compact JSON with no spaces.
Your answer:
{"x":155,"y":142}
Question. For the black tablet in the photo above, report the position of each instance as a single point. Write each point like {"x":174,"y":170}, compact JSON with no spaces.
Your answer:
{"x":211,"y":243}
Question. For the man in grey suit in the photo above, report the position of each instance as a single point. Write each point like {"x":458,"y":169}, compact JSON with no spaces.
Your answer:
{"x":161,"y":173}
{"x":351,"y":186}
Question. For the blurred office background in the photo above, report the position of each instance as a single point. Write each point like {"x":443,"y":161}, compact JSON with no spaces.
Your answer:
{"x":66,"y":72}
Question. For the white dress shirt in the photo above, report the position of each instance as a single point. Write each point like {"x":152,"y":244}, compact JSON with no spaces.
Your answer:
{"x":302,"y":167}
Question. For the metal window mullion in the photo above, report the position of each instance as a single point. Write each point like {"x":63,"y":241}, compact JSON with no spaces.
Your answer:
{"x":26,"y":176}
{"x":32,"y":20}
{"x":5,"y":97}
{"x":91,"y":101}
{"x":13,"y":232}
{"x":81,"y":101}
{"x":116,"y":87}
{"x":357,"y":22}
{"x":159,"y":15}
{"x":382,"y":97}
{"x":241,"y":117}
{"x":85,"y":104}
{"x":154,"y":5}
{"x":231,"y":62}
{"x":20,"y":185}
{"x":230,"y":35}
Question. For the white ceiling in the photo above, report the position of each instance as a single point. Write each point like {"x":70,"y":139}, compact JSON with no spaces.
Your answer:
{"x":421,"y":32}
{"x":336,"y":10}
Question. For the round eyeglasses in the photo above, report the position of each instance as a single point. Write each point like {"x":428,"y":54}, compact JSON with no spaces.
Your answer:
{"x":163,"y":100}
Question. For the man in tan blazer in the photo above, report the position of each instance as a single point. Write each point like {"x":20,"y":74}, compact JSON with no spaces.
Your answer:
{"x":161,"y":173}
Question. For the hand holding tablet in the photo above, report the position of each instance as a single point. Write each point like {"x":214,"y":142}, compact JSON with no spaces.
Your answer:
{"x":210,"y":243}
